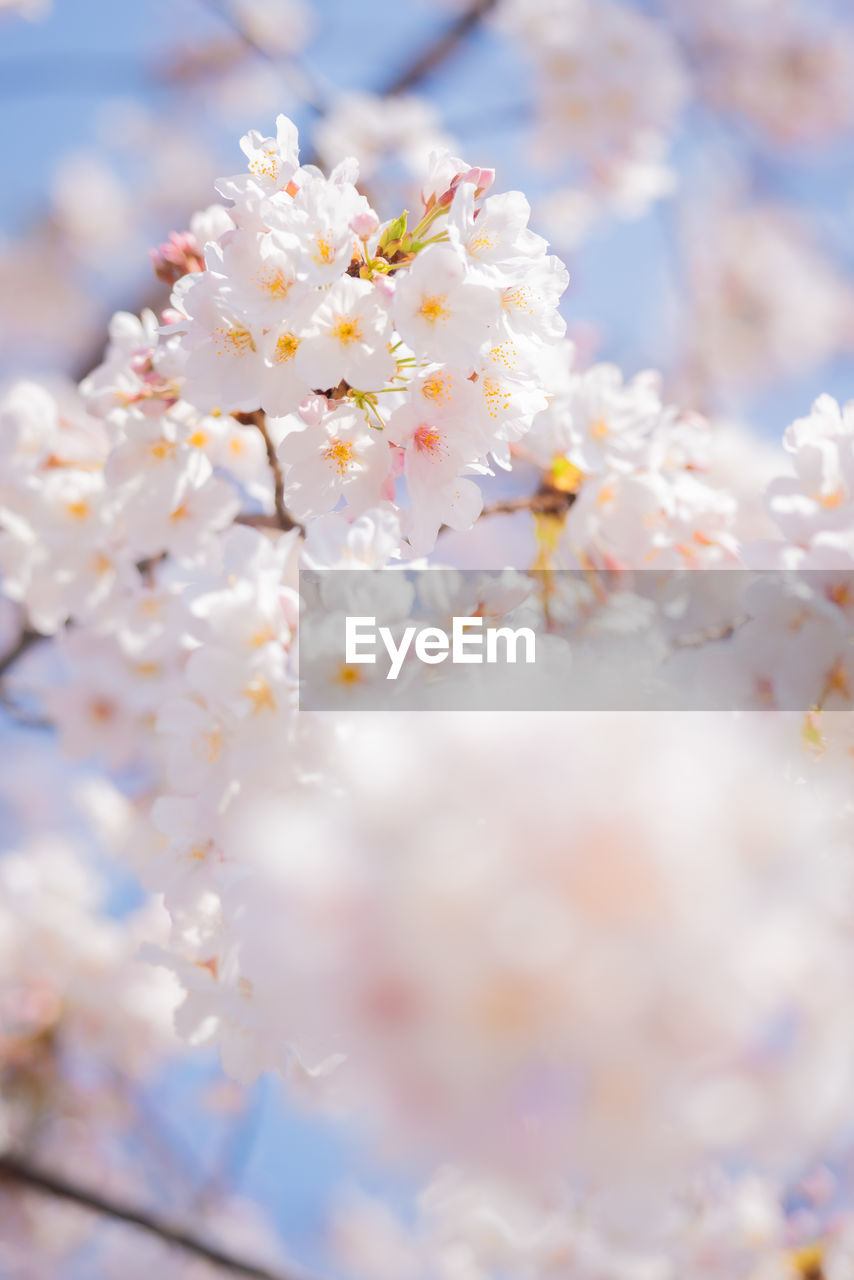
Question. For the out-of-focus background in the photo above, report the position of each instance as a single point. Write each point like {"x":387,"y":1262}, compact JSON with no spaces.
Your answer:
{"x":692,"y":163}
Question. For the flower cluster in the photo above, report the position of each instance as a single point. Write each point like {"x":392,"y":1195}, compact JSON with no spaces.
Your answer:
{"x":380,"y":352}
{"x":633,"y":465}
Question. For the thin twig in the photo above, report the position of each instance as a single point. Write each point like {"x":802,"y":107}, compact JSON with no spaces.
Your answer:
{"x":546,"y":502}
{"x":22,"y":645}
{"x":22,"y":719}
{"x":284,"y":518}
{"x":422,"y":66}
{"x":307,"y":88}
{"x":431,"y":58}
{"x":15,"y":1169}
{"x":258,"y":520}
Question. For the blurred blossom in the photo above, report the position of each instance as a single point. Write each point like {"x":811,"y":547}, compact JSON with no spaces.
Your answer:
{"x":376,"y":132}
{"x":32,"y":9}
{"x":624,"y":187}
{"x":92,"y":206}
{"x":605,"y":74}
{"x":764,"y":298}
{"x":41,"y":290}
{"x":785,"y":67}
{"x":279,"y":26}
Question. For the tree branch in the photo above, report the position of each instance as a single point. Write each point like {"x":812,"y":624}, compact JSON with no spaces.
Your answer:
{"x":422,"y":66}
{"x":440,"y":50}
{"x":258,"y":520}
{"x":545,"y":502}
{"x":22,"y":645}
{"x":17,"y":1170}
{"x":285,"y":520}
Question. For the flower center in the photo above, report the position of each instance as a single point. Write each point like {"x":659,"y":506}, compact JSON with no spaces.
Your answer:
{"x":483,"y":240}
{"x":437,"y":388}
{"x":434,"y":307}
{"x":519,"y":297}
{"x":233,"y":341}
{"x":831,"y":500}
{"x":428,"y":440}
{"x":339,"y":454}
{"x":325,"y":252}
{"x":277,"y":284}
{"x":286,"y":348}
{"x":265,"y":164}
{"x":347,"y":330}
{"x":497,"y":397}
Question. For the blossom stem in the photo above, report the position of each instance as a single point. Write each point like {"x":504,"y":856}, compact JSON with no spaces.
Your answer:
{"x":369,"y":262}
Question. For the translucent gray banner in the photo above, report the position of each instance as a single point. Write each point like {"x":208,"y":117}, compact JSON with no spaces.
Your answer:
{"x":569,"y":640}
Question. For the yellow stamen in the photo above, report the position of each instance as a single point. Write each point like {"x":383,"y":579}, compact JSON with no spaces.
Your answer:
{"x":277,"y":284}
{"x":260,"y":695}
{"x":265,"y":164}
{"x":434,"y":307}
{"x":210,"y":744}
{"x":233,"y":341}
{"x":347,"y":330}
{"x":483,"y":240}
{"x":428,"y":440}
{"x":339,"y":454}
{"x":325,"y":252}
{"x":286,"y":348}
{"x":438,"y":388}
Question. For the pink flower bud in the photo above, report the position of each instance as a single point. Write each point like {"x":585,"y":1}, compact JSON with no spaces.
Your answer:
{"x":178,"y":256}
{"x":384,"y":286}
{"x":312,"y":409}
{"x":482,"y":179}
{"x":364,"y":225}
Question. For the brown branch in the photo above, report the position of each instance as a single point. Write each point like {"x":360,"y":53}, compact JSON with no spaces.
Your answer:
{"x":17,"y":1170}
{"x":440,"y":50}
{"x":545,"y":502}
{"x":258,"y":520}
{"x":22,"y":645}
{"x":422,"y":66}
{"x":22,"y":718}
{"x":284,"y":518}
